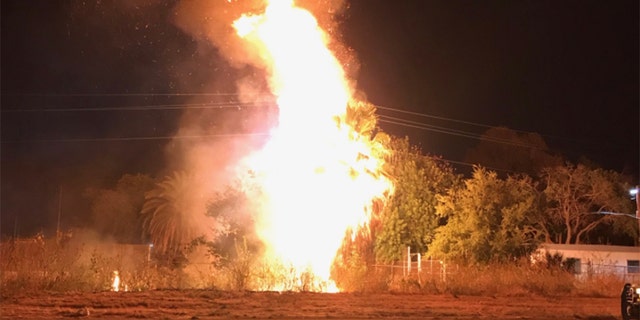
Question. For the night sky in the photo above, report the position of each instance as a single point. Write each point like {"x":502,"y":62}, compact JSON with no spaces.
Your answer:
{"x":93,"y":90}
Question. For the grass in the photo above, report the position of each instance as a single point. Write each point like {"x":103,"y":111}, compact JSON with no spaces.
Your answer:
{"x":37,"y":265}
{"x":500,"y":279}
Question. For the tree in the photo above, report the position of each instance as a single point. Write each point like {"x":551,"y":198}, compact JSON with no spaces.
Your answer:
{"x":116,"y":212}
{"x":409,"y":218}
{"x":234,"y":224}
{"x":580,"y":198}
{"x":357,"y":251}
{"x":172,"y":215}
{"x":487,"y":219}
{"x":361,"y":118}
{"x":512,"y":151}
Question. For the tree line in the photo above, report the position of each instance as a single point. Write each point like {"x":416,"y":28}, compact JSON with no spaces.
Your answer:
{"x":488,"y":215}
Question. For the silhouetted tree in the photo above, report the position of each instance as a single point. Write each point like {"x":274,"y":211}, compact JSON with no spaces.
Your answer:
{"x":512,"y":151}
{"x":172,"y":217}
{"x":116,"y":212}
{"x":234,"y":225}
{"x":579,"y":198}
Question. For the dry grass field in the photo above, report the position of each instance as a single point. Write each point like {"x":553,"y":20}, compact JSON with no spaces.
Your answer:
{"x":210,"y":304}
{"x":42,"y":280}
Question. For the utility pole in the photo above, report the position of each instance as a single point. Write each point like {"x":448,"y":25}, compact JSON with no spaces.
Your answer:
{"x":59,"y":210}
{"x":635,"y":196}
{"x":15,"y":228}
{"x":638,"y":210}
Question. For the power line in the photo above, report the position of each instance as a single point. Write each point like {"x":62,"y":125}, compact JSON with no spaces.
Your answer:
{"x":481,"y":124}
{"x":182,"y":106}
{"x":468,"y":164}
{"x":460,"y":133}
{"x":435,"y":117}
{"x":224,"y":94}
{"x":269,"y":103}
{"x":229,"y":105}
{"x":148,"y":94}
{"x":427,"y":126}
{"x":226,"y":135}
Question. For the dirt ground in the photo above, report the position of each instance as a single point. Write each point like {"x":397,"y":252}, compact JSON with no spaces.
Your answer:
{"x":209,"y":304}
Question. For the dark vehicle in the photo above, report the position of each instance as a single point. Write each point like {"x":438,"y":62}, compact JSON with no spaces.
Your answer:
{"x":630,"y":302}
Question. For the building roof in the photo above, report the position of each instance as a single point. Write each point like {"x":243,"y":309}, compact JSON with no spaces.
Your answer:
{"x":589,"y":247}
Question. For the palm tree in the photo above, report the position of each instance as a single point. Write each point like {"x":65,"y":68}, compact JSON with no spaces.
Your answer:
{"x":171,"y":215}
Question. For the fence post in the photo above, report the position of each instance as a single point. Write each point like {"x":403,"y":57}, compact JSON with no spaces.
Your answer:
{"x":431,"y":266}
{"x":404,"y":269}
{"x":408,"y":260}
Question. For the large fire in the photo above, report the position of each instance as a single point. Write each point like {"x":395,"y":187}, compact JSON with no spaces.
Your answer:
{"x":317,"y":175}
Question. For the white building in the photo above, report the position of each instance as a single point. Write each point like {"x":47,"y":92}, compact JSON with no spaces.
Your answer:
{"x":598,"y":259}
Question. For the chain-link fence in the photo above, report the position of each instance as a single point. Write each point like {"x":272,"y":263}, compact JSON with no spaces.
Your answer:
{"x":629,"y":274}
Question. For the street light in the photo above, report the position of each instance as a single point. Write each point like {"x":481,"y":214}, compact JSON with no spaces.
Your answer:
{"x":633,"y":193}
{"x":634,"y":196}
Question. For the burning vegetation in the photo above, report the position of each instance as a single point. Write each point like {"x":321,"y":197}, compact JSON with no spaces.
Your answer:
{"x":320,"y":171}
{"x":325,"y":201}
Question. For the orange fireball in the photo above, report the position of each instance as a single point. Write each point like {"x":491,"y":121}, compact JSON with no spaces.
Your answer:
{"x":318,"y":176}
